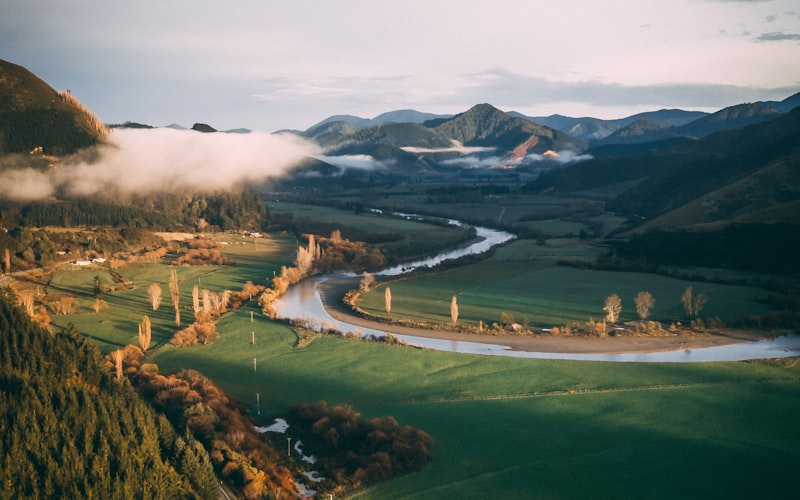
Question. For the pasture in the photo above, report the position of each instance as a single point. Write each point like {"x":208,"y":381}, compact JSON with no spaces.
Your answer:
{"x":512,"y":428}
{"x":504,"y":427}
{"x":524,"y":280}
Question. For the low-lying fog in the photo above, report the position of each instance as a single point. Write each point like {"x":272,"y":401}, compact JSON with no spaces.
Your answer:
{"x":140,"y":161}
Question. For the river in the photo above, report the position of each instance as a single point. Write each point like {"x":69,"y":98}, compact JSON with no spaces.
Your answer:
{"x":304,"y":302}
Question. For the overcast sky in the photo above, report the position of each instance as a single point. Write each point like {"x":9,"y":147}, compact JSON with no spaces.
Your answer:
{"x":268,"y":65}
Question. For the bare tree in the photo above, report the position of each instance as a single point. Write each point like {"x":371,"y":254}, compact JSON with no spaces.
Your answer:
{"x":387,"y":300}
{"x":145,"y":333}
{"x":697,"y":304}
{"x":644,"y":303}
{"x":612,"y":307}
{"x":686,"y":300}
{"x":154,"y":292}
{"x":207,"y":307}
{"x":175,"y":292}
{"x":336,"y":236}
{"x":693,"y":304}
{"x":7,"y":259}
{"x":454,"y":310}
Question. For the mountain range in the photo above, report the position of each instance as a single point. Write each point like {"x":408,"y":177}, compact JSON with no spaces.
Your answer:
{"x":672,"y":168}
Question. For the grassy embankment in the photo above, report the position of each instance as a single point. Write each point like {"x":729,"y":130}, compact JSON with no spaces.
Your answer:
{"x":507,"y":428}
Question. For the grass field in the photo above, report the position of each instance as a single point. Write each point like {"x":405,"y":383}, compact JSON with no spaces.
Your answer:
{"x":510,"y":428}
{"x":504,"y":427}
{"x":523,"y":279}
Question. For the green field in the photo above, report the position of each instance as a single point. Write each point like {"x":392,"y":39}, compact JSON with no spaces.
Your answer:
{"x":523,"y":279}
{"x":511,"y":428}
{"x":504,"y":427}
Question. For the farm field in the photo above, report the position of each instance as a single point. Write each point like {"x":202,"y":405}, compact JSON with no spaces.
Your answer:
{"x":515,"y":428}
{"x":524,"y":280}
{"x":504,"y":427}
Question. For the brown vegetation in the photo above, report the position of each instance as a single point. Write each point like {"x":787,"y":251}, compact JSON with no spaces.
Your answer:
{"x":354,"y":451}
{"x":194,"y":404}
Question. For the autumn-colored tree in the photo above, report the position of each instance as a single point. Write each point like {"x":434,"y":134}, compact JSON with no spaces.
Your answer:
{"x":65,"y":305}
{"x":693,"y":304}
{"x":366,"y":281}
{"x":7,"y":260}
{"x":145,"y":333}
{"x":644,"y":303}
{"x":387,"y":299}
{"x":612,"y":307}
{"x":250,"y":289}
{"x":100,"y":305}
{"x":304,"y":260}
{"x":686,"y":300}
{"x":175,"y":292}
{"x":454,"y":310}
{"x":26,"y":300}
{"x":117,"y":355}
{"x":196,"y":300}
{"x":336,"y":236}
{"x":154,"y":293}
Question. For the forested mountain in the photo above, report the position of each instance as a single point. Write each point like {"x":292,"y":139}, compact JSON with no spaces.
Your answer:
{"x":398,"y":116}
{"x":69,"y":430}
{"x":485,"y":125}
{"x":750,"y":169}
{"x":33,"y":115}
{"x":594,"y":129}
{"x":729,"y":118}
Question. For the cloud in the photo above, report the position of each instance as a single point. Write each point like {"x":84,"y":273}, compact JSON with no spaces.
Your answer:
{"x":136,"y":161}
{"x":562,"y":157}
{"x":25,"y":184}
{"x":457,"y":147}
{"x":473,"y":162}
{"x":777,"y":36}
{"x":359,"y":162}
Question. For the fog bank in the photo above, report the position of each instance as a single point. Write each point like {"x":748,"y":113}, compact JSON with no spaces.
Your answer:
{"x":142,"y":161}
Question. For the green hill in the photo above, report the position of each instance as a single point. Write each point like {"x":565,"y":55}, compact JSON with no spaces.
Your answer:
{"x":33,"y":115}
{"x":485,"y":125}
{"x":733,"y":174}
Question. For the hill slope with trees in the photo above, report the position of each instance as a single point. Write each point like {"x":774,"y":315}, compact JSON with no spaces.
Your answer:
{"x":70,"y":430}
{"x":33,"y":115}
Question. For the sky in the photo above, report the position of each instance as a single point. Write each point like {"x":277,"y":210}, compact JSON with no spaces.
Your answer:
{"x":269,"y":65}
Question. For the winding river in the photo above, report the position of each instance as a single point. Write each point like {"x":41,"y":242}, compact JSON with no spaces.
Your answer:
{"x":304,"y":302}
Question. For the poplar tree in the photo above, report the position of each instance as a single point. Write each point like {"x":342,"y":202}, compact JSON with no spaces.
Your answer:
{"x":154,"y":292}
{"x":174,"y":290}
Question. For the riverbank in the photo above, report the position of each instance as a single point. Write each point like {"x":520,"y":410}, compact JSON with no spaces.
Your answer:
{"x":332,"y":291}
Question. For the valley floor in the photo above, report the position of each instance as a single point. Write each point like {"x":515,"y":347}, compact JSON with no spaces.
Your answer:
{"x":333,"y":291}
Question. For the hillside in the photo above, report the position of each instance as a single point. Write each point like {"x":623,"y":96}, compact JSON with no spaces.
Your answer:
{"x":71,"y":431}
{"x":33,"y":115}
{"x":754,"y":160}
{"x":485,"y":125}
{"x":729,"y":118}
{"x":595,"y":129}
